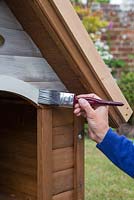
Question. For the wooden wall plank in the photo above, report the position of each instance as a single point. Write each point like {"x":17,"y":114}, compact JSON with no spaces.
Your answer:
{"x":64,"y":196}
{"x":29,"y":168}
{"x":31,"y":69}
{"x":62,"y":117}
{"x":63,"y":181}
{"x":10,"y":196}
{"x":44,"y":148}
{"x":18,"y":182}
{"x":78,"y":158}
{"x":63,"y":136}
{"x":18,"y":43}
{"x":63,"y":159}
{"x":53,"y":85}
{"x":7,"y":19}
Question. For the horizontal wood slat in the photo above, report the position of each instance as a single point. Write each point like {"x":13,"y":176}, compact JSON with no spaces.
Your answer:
{"x":62,"y":117}
{"x":34,"y":70}
{"x":9,"y":196}
{"x":64,"y":196}
{"x":63,"y":159}
{"x":7,"y":19}
{"x":31,"y":69}
{"x":15,"y":196}
{"x":18,"y":182}
{"x":63,"y":136}
{"x":13,"y":146}
{"x":24,"y":165}
{"x":53,"y":85}
{"x":63,"y":181}
{"x":18,"y":43}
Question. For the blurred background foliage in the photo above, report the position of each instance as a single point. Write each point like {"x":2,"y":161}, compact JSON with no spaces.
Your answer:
{"x":126,"y":83}
{"x":94,"y":22}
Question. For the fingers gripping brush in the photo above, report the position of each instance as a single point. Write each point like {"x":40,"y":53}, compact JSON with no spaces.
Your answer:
{"x":64,"y":99}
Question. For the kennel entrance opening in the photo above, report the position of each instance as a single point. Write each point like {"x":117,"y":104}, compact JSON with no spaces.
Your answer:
{"x":18,"y":148}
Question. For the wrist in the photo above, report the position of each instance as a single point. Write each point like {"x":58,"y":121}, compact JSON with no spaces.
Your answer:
{"x":102,"y":134}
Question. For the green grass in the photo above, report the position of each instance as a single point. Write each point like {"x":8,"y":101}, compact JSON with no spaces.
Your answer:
{"x":104,"y":181}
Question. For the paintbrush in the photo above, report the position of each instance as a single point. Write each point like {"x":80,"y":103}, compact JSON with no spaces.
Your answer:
{"x":64,"y":99}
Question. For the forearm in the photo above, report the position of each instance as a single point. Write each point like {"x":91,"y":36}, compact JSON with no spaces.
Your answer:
{"x":119,"y":150}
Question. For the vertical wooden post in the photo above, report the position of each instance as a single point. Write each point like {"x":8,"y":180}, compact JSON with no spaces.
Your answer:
{"x":44,"y":153}
{"x":78,"y":159}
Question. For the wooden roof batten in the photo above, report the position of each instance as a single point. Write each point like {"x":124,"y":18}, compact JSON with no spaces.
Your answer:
{"x":66,"y":33}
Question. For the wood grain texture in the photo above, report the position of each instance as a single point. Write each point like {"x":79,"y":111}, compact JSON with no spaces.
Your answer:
{"x":78,"y":159}
{"x":64,"y":196}
{"x":21,"y":151}
{"x":50,"y":48}
{"x":63,"y":159}
{"x":63,"y":181}
{"x":31,"y":69}
{"x":84,"y":63}
{"x":44,"y":149}
{"x":50,"y":85}
{"x":18,"y":183}
{"x":10,"y":196}
{"x":18,"y":150}
{"x":7,"y":19}
{"x":18,"y":43}
{"x":63,"y":136}
{"x":62,"y":117}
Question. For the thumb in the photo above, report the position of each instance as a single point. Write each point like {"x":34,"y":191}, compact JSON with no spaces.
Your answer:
{"x":84,"y":104}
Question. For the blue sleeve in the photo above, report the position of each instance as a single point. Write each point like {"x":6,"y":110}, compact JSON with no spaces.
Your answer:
{"x":119,"y":150}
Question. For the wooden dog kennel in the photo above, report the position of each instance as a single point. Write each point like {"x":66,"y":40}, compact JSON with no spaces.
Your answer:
{"x":44,"y":46}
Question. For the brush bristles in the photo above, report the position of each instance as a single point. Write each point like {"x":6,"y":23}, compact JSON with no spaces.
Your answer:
{"x":49,"y":97}
{"x":52,"y":97}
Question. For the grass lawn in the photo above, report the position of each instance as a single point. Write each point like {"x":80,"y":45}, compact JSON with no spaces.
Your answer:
{"x":104,"y":181}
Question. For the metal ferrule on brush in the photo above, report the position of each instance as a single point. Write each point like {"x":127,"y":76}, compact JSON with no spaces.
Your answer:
{"x":55,"y":98}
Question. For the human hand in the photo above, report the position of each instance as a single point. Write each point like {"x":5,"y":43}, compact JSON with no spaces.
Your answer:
{"x":97,"y":117}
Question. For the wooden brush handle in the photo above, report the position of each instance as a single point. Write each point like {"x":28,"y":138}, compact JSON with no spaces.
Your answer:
{"x":94,"y":101}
